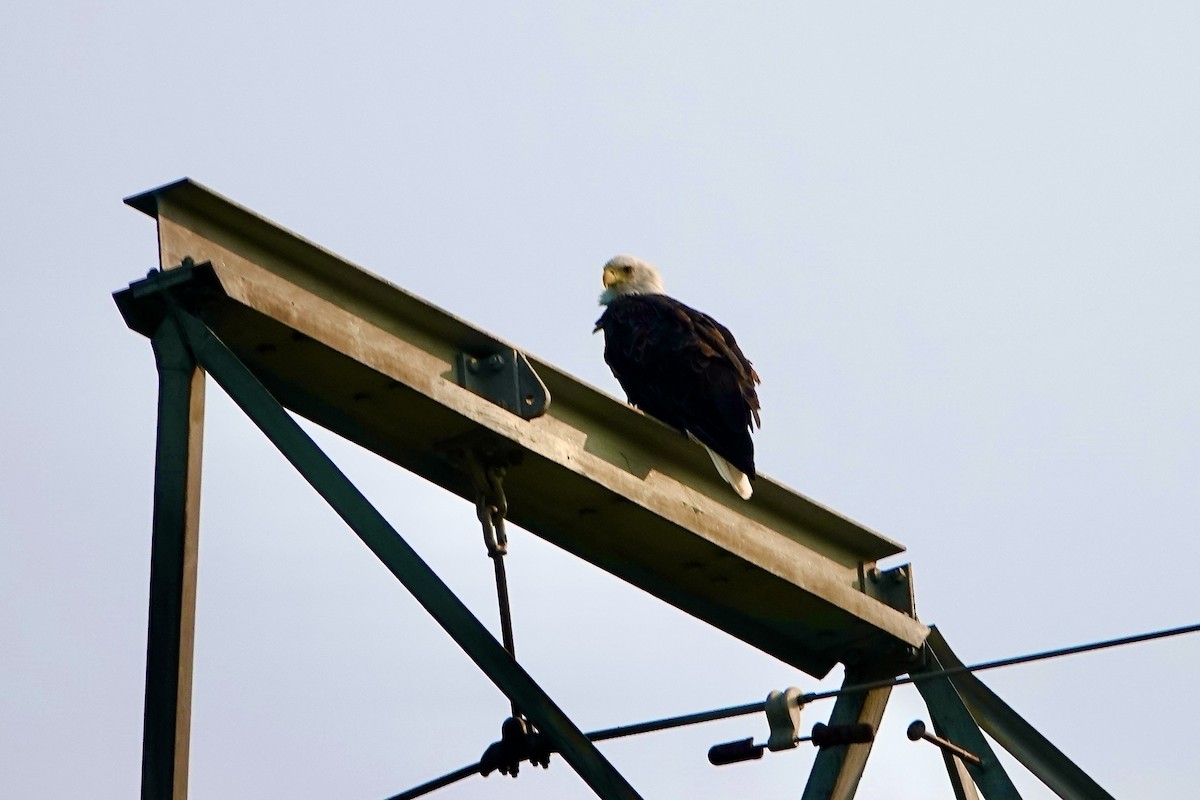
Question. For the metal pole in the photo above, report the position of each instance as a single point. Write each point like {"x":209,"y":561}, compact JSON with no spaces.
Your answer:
{"x":837,"y":770}
{"x":174,"y":537}
{"x":402,"y":560}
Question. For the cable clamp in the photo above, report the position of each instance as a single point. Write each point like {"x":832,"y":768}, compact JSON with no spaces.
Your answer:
{"x":491,"y":506}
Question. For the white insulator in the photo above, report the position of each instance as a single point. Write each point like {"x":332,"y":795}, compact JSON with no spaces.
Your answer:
{"x":783,"y":715}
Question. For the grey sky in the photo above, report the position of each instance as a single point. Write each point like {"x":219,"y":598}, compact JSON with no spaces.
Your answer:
{"x":959,"y":243}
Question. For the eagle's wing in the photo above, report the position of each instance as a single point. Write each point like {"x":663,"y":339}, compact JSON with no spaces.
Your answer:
{"x":686,"y":369}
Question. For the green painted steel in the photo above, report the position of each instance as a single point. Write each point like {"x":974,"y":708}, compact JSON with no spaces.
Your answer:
{"x":1016,"y":735}
{"x":383,"y":540}
{"x":960,"y":780}
{"x":163,"y":738}
{"x":845,"y":764}
{"x":952,"y":720}
{"x":504,"y":376}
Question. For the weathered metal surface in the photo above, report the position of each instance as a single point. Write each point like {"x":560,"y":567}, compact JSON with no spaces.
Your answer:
{"x":505,"y":377}
{"x":173,"y":550}
{"x":365,"y":359}
{"x":892,"y":586}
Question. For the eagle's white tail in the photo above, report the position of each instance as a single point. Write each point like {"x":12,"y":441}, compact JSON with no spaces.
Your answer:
{"x":735,"y":477}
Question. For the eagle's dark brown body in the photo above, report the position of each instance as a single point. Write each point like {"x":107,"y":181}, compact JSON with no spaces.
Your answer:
{"x":685,"y":368}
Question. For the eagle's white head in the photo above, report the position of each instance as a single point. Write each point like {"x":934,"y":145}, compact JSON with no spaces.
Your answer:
{"x":628,"y":275}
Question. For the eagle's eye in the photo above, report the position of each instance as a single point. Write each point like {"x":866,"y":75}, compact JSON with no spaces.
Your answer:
{"x":628,"y":270}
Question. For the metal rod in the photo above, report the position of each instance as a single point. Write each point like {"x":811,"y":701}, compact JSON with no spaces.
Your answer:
{"x":917,"y":731}
{"x":491,"y":506}
{"x":506,"y":629}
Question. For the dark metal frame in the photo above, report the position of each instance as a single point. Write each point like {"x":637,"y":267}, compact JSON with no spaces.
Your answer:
{"x":836,"y":771}
{"x":995,"y":717}
{"x":172,"y":567}
{"x":187,"y":346}
{"x":164,"y":308}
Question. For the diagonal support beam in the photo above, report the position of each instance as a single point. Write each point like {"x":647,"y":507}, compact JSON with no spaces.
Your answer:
{"x":174,"y":537}
{"x":403,"y":562}
{"x":960,"y":780}
{"x":952,"y":720}
{"x":1014,"y":734}
{"x":837,"y":770}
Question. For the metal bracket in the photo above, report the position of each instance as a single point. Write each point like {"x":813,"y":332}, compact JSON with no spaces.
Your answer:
{"x":143,"y":304}
{"x":783,"y":715}
{"x":505,"y":377}
{"x":893,"y":587}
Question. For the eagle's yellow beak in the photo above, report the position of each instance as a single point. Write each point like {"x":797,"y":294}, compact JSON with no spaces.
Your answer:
{"x":611,"y":276}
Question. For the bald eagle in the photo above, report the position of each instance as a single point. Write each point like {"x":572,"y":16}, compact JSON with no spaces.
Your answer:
{"x":681,"y":366}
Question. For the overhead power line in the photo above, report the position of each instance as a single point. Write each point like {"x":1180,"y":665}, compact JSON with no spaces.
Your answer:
{"x":752,"y":708}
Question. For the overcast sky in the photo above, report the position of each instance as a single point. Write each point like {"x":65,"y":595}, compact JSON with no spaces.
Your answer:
{"x":960,"y":243}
